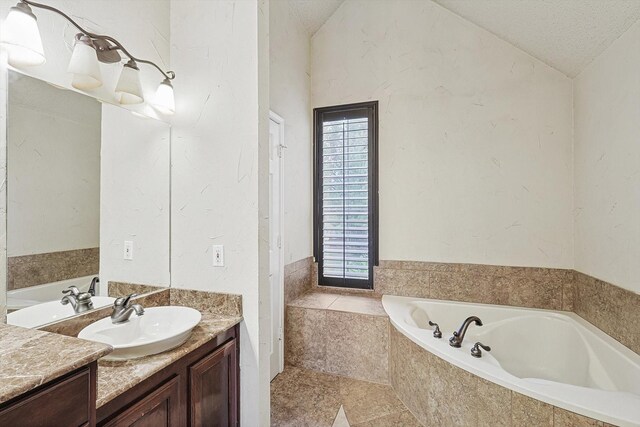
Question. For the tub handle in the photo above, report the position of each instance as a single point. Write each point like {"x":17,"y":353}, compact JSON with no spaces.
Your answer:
{"x":436,"y":332}
{"x":475,"y":350}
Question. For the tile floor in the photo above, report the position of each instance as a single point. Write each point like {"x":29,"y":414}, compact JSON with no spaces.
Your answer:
{"x":305,"y":398}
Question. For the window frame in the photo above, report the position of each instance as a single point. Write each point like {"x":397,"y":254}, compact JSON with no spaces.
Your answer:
{"x":346,"y":110}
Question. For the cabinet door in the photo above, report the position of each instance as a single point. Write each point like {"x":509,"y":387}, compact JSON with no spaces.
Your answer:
{"x":66,"y":402}
{"x":213,"y":389}
{"x":160,"y":408}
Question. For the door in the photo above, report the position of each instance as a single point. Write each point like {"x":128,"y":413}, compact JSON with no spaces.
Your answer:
{"x":213,"y":389}
{"x":276,"y":263}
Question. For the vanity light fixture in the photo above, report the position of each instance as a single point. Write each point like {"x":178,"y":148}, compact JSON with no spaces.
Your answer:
{"x":129,"y":89}
{"x":21,"y":39}
{"x":164,"y":100}
{"x":84,"y":64}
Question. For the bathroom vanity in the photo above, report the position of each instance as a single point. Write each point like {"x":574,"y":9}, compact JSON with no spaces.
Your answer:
{"x":52,"y":379}
{"x":202,"y":384}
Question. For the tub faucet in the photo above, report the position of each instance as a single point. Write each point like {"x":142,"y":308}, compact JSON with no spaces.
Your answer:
{"x":92,"y":287}
{"x":458,"y":336}
{"x":122,"y":309}
{"x":80,"y":301}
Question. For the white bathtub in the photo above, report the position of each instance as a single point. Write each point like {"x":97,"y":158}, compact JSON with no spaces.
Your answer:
{"x":553,"y":356}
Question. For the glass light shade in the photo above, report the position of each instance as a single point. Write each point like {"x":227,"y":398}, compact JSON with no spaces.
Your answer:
{"x":84,"y":65}
{"x":129,"y":89}
{"x":21,"y":37}
{"x":164,"y":100}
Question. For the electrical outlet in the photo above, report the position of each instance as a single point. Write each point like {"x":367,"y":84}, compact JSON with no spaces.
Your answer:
{"x":128,"y":250}
{"x":218,"y":255}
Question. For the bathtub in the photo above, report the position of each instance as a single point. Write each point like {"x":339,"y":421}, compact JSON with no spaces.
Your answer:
{"x":552,"y":356}
{"x":32,"y":295}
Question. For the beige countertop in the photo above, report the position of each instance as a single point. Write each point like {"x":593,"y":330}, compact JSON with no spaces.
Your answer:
{"x":116,"y":377}
{"x":30,"y":358}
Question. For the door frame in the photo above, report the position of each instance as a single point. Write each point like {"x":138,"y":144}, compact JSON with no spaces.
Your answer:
{"x":280,"y":121}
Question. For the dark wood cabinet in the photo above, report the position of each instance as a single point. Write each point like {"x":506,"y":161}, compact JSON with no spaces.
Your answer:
{"x":66,"y":401}
{"x":201,"y":390}
{"x":212,"y":389}
{"x":160,"y":408}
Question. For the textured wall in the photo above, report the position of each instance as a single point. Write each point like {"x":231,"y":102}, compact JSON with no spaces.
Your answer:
{"x":289,"y":97}
{"x":53,"y":177}
{"x":475,"y":135}
{"x":217,"y":169}
{"x":607,"y":159}
{"x":134,"y":197}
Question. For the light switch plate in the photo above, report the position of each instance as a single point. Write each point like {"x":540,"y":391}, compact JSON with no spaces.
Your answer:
{"x":128,"y":250}
{"x":218,"y":255}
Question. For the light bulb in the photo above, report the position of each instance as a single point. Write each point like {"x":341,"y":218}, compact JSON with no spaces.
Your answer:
{"x":84,"y":65}
{"x":21,"y":37}
{"x":164,"y":100}
{"x":129,"y":89}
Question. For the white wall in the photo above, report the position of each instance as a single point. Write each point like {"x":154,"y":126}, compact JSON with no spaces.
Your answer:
{"x":215,"y":169}
{"x":54,"y":168}
{"x":607,"y":164}
{"x":475,"y":135}
{"x":135,"y":198}
{"x":289,"y":91}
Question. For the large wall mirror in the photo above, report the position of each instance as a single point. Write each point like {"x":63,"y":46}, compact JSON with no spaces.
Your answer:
{"x":88,"y":200}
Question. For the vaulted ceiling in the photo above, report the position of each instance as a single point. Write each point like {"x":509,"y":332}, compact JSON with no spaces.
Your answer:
{"x":566,"y":34}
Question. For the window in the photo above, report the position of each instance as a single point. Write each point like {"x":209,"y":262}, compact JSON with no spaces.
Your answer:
{"x":346,"y":194}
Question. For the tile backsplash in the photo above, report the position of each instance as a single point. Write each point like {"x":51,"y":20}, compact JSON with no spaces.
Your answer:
{"x":37,"y":269}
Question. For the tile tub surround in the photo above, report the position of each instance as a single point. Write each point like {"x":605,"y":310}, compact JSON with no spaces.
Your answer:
{"x":530,"y":287}
{"x":297,"y":279}
{"x":31,"y":270}
{"x":614,"y":310}
{"x":439,"y":393}
{"x":338,"y":334}
{"x":30,"y":358}
{"x":116,"y":377}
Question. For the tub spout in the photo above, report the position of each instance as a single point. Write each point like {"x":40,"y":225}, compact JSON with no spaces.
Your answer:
{"x":458,"y":336}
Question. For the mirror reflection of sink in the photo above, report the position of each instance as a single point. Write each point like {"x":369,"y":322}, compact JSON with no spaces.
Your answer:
{"x":159,"y":329}
{"x":47,"y":312}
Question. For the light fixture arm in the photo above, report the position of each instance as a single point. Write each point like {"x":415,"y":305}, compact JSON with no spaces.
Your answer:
{"x":115,"y":44}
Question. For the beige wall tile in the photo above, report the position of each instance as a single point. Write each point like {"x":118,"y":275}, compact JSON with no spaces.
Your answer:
{"x":409,"y":374}
{"x":527,"y":412}
{"x":451,"y":393}
{"x":562,"y":418}
{"x":305,"y":338}
{"x":402,"y":282}
{"x":31,"y":270}
{"x":357,"y":346}
{"x":358,"y":304}
{"x":614,"y":310}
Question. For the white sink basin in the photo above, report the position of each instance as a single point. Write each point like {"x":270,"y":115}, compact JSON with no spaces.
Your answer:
{"x":47,"y":312}
{"x":158,"y":329}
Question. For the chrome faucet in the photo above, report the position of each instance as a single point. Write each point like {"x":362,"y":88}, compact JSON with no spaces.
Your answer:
{"x":92,"y":287}
{"x":122,"y":309}
{"x":458,"y":336}
{"x":80,"y":301}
